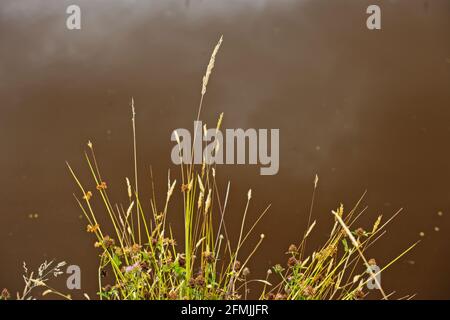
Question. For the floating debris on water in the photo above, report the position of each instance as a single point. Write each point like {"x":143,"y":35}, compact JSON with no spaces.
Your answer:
{"x":422,"y":234}
{"x":440,"y":213}
{"x":436,"y":229}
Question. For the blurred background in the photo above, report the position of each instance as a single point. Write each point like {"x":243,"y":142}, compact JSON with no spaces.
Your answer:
{"x":365,"y":110}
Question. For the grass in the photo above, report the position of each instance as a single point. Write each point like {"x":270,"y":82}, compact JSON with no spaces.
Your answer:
{"x":146,"y":262}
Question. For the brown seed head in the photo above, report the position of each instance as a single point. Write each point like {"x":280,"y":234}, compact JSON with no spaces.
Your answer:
{"x":292,"y":262}
{"x":372,"y":262}
{"x":173,"y":295}
{"x":280,"y":296}
{"x":87,"y":196}
{"x":5,"y":294}
{"x":359,"y":294}
{"x":181,"y":261}
{"x":209,"y":257}
{"x":309,"y":291}
{"x":92,"y":228}
{"x":108,"y":242}
{"x":107,"y":288}
{"x":102,"y":186}
{"x":200,"y":281}
{"x":144,"y":266}
{"x":135,"y":248}
{"x":270,"y":296}
{"x":360,"y":232}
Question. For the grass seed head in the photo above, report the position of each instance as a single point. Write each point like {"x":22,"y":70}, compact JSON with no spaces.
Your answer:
{"x":5,"y":295}
{"x":292,"y":262}
{"x":209,"y":256}
{"x":292,"y":248}
{"x":360,"y":232}
{"x":237,"y":265}
{"x":93,"y":228}
{"x":102,"y":186}
{"x":200,"y":281}
{"x":108,"y":242}
{"x":210,"y":66}
{"x":309,"y":291}
{"x":87,"y":196}
{"x":130,"y":194}
{"x":359,"y":294}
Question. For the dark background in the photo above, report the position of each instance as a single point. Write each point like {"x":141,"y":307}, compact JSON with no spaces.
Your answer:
{"x":362,"y":109}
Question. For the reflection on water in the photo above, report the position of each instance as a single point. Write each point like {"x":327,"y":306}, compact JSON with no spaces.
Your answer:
{"x":364,"y":110}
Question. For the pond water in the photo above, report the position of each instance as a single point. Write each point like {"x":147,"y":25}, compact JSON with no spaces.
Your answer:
{"x":365,"y":110}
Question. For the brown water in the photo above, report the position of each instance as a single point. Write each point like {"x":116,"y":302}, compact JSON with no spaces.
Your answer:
{"x":362,"y":109}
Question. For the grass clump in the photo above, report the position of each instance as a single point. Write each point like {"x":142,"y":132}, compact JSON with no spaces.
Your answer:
{"x":146,"y":262}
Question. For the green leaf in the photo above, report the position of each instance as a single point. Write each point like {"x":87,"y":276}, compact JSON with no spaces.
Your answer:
{"x":344,"y":242}
{"x":116,"y":260}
